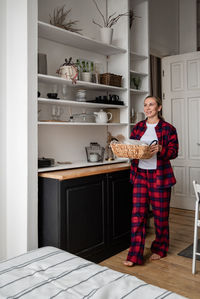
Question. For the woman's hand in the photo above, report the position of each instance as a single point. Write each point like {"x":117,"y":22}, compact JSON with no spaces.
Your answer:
{"x":154,"y":149}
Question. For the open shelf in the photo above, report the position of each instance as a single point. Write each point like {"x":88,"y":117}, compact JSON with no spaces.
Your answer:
{"x":138,"y":73}
{"x":138,"y":55}
{"x":79,"y":164}
{"x":138,"y":91}
{"x":88,"y":85}
{"x":76,"y":40}
{"x":79,"y":104}
{"x":65,"y":123}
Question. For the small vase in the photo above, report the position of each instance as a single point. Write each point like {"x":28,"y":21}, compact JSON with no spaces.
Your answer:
{"x":106,"y":35}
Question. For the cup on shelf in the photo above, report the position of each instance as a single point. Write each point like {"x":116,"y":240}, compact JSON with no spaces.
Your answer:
{"x":64,"y":91}
{"x":56,"y":112}
{"x":81,"y":95}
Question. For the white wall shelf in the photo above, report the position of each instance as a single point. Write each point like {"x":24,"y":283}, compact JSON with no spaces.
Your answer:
{"x":76,"y":40}
{"x":63,"y":123}
{"x":79,"y":164}
{"x":138,"y":73}
{"x":79,"y":104}
{"x":138,"y":55}
{"x":89,"y":85}
{"x":138,"y":91}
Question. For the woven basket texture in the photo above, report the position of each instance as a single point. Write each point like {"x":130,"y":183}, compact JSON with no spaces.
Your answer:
{"x":111,"y":79}
{"x":131,"y":151}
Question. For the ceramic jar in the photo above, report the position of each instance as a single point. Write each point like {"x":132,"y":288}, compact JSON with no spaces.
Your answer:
{"x":68,"y":72}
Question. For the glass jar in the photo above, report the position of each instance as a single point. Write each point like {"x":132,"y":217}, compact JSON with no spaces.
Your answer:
{"x":94,"y":152}
{"x":81,"y":95}
{"x":84,"y":118}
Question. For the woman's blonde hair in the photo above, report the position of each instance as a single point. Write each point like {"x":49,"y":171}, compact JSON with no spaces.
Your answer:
{"x":159,"y":103}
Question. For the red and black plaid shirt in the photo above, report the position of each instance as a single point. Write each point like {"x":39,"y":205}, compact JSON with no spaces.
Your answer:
{"x":168,"y":138}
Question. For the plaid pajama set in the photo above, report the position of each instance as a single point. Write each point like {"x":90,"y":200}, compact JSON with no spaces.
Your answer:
{"x":154,"y":187}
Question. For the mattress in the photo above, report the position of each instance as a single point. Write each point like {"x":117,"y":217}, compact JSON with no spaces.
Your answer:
{"x":49,"y":272}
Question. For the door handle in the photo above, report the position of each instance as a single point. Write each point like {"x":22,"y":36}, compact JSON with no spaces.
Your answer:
{"x":198,"y":143}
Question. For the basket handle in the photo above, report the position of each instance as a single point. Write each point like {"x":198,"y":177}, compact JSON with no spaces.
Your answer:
{"x":114,"y":140}
{"x":154,"y":142}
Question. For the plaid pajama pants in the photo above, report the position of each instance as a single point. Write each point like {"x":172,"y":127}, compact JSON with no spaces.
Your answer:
{"x":145,"y":192}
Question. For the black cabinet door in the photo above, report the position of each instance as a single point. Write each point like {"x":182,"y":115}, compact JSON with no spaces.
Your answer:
{"x":83,"y":209}
{"x":120,"y":207}
{"x":49,"y":213}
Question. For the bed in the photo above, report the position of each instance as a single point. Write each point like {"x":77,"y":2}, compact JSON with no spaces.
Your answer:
{"x":49,"y":272}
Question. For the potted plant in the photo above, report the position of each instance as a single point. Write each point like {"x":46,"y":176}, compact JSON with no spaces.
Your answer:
{"x":86,"y":74}
{"x":106,"y":29}
{"x":60,"y":19}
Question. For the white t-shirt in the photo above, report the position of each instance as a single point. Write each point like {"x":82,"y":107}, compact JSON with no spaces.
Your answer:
{"x":148,"y":137}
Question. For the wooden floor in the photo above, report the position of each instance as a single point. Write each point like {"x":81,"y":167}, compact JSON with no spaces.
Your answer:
{"x":173,"y":272}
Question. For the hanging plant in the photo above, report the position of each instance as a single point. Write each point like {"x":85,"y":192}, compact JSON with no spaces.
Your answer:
{"x":59,"y":19}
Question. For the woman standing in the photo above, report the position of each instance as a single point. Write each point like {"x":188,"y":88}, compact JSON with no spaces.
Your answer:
{"x":152,"y":180}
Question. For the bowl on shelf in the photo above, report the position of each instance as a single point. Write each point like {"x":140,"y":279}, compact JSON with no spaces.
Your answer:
{"x":52,"y":95}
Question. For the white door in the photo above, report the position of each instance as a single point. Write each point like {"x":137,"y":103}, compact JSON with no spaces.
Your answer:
{"x":181,"y":107}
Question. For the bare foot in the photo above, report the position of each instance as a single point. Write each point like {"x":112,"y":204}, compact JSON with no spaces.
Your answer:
{"x":155,"y":257}
{"x":128,"y":263}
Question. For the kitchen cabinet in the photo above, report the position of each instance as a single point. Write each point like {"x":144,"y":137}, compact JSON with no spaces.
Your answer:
{"x":88,"y":216}
{"x":119,"y":212}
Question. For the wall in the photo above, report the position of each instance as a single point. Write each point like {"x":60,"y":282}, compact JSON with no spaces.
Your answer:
{"x":163,"y":23}
{"x":187,"y":26}
{"x":173,"y":27}
{"x":18,"y":227}
{"x":3,"y":130}
{"x":32,"y":159}
{"x":198,"y":24}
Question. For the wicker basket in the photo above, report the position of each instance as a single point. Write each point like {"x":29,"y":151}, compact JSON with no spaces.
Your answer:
{"x":131,"y":151}
{"x":111,"y":79}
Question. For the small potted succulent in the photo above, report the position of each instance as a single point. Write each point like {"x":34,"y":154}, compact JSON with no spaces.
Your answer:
{"x":86,"y":75}
{"x":106,"y":29}
{"x":87,"y":69}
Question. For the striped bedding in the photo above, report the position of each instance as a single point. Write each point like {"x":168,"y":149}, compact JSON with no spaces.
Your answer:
{"x":49,"y":272}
